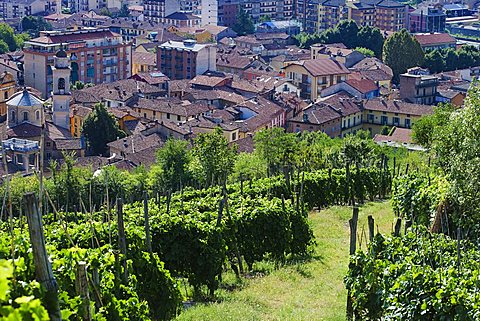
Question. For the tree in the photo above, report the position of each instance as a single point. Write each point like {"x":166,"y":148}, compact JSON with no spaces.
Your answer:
{"x":7,"y":34}
{"x":371,"y":38}
{"x":214,"y":157}
{"x":244,"y":24}
{"x":451,"y":59}
{"x":365,"y":51}
{"x":33,"y":25}
{"x":346,"y":32}
{"x":428,"y":127}
{"x":173,"y":159}
{"x":434,"y":61}
{"x":3,"y":46}
{"x":100,"y":128}
{"x":456,"y":149}
{"x":402,"y":51}
{"x":124,"y":12}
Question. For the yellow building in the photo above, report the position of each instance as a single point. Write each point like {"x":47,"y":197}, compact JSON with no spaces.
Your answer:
{"x":379,"y":112}
{"x":312,"y":76}
{"x":143,"y":62}
{"x":7,"y":89}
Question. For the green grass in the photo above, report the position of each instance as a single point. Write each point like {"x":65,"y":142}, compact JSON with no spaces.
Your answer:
{"x":311,"y":290}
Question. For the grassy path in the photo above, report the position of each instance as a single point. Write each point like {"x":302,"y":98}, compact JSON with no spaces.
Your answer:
{"x":312,"y":290}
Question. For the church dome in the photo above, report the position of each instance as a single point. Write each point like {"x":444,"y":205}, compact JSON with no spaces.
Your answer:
{"x":24,"y":99}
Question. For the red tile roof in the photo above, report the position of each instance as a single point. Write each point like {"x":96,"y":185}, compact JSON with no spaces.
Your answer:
{"x":67,"y":37}
{"x":324,"y":67}
{"x":397,"y":106}
{"x":431,"y":39}
{"x":362,"y":85}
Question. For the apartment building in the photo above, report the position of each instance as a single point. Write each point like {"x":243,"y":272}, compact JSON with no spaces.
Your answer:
{"x":312,"y":76}
{"x":330,"y":13}
{"x":418,"y":89}
{"x":7,"y":90}
{"x":391,"y":15}
{"x":184,"y":60}
{"x":96,"y":56}
{"x":362,"y":13}
{"x":427,"y":19}
{"x":227,"y":12}
{"x":380,"y":112}
{"x":21,"y":8}
{"x":157,"y":10}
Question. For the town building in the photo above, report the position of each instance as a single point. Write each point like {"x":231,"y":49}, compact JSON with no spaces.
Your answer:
{"x":330,"y":13}
{"x":227,"y":12}
{"x":418,"y":88}
{"x":339,"y":52}
{"x":157,"y":10}
{"x":391,"y":15}
{"x":209,"y":12}
{"x":95,"y":56}
{"x":185,"y":60}
{"x":431,"y":41}
{"x":143,"y":62}
{"x":380,"y":112}
{"x":317,"y":117}
{"x":362,"y":13}
{"x":456,"y":10}
{"x":182,"y":19}
{"x":427,"y":19}
{"x":312,"y":76}
{"x":10,"y":9}
{"x":7,"y":89}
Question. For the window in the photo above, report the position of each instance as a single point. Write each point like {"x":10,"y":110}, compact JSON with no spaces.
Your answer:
{"x":13,"y":115}
{"x":25,"y":116}
{"x":37,"y":115}
{"x":48,"y":144}
{"x":234,"y":136}
{"x":168,"y":115}
{"x":179,"y":118}
{"x":371,"y":118}
{"x":396,"y":121}
{"x":384,"y":120}
{"x":5,"y":95}
{"x":407,"y":123}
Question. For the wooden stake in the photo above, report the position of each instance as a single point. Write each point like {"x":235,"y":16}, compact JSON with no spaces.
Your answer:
{"x":147,"y":223}
{"x":122,"y":242}
{"x":459,"y":239}
{"x":81,"y":286}
{"x":353,"y":247}
{"x":398,"y":226}
{"x":43,"y":267}
{"x":371,"y":227}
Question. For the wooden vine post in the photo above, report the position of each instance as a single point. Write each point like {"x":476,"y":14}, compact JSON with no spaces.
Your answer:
{"x":147,"y":223}
{"x":398,"y":226}
{"x":122,"y":241}
{"x":43,"y":267}
{"x":371,"y":227}
{"x":81,"y":286}
{"x":353,"y":222}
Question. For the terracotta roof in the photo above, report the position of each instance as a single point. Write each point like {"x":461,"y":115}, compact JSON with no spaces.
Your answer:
{"x":144,"y":58}
{"x":399,"y":135}
{"x":136,"y":143}
{"x":172,"y":106}
{"x":245,"y":145}
{"x":396,"y":106}
{"x":24,"y":130}
{"x":121,"y":90}
{"x":362,"y":85}
{"x":69,"y":144}
{"x":80,"y":111}
{"x":343,"y":103}
{"x":432,"y":39}
{"x":265,"y":111}
{"x":324,"y":67}
{"x":152,"y":78}
{"x":207,"y":81}
{"x":182,"y":16}
{"x":317,"y":114}
{"x":54,"y":37}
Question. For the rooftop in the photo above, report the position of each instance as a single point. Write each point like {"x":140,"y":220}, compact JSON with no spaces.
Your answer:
{"x":24,"y":99}
{"x":189,"y":45}
{"x":429,"y":39}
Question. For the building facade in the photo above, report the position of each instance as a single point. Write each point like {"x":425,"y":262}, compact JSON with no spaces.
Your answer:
{"x":185,"y":60}
{"x":19,"y":9}
{"x":418,"y":89}
{"x":157,"y":10}
{"x":7,"y":89}
{"x":95,"y":55}
{"x":427,"y":19}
